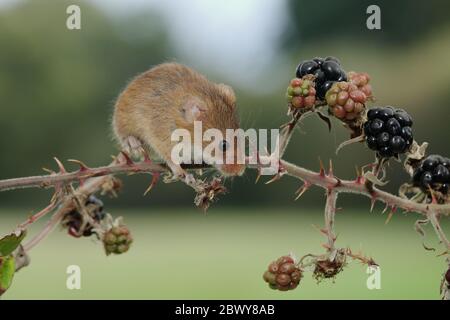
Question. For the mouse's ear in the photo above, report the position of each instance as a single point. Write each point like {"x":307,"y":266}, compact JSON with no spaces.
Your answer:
{"x":193,"y":109}
{"x":228,"y":92}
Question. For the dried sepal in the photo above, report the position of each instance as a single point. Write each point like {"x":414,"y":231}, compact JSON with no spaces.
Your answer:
{"x":111,"y":187}
{"x":414,"y":156}
{"x":207,"y":192}
{"x":327,"y":267}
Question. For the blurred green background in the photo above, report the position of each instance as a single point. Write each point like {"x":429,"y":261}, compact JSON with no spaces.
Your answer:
{"x":57,"y":90}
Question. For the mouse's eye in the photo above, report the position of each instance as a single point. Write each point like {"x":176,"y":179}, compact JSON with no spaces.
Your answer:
{"x":224,"y":145}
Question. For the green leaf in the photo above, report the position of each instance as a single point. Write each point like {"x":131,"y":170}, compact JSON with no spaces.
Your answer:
{"x":7,"y":270}
{"x":10,"y":242}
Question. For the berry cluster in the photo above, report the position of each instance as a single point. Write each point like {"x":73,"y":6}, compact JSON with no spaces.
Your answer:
{"x":301,"y":93}
{"x":388,"y":131}
{"x":75,"y":222}
{"x":117,"y":240}
{"x":326,"y":72}
{"x":346,"y":101}
{"x":361,"y":80}
{"x":433,"y":172}
{"x":283,"y":274}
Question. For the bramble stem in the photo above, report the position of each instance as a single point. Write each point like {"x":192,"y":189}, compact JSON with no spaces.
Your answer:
{"x":330,"y":211}
{"x":434,"y":219}
{"x":356,"y":186}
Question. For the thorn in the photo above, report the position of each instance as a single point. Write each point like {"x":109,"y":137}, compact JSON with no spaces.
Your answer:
{"x":326,"y":246}
{"x":433,"y":197}
{"x":49,"y":171}
{"x":385,"y":208}
{"x":300,"y":191}
{"x":330,"y":169}
{"x":359,"y":175}
{"x":128,"y":160}
{"x":258,"y":175}
{"x":372,"y":203}
{"x":324,"y":231}
{"x":83,"y":167}
{"x":391,"y":213}
{"x":322,"y":169}
{"x":146,"y":156}
{"x":357,"y":171}
{"x":60,"y":165}
{"x":443,"y":253}
{"x":155,"y":178}
{"x":275,"y":178}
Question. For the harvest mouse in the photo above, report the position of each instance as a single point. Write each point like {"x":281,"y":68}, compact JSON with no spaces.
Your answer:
{"x":171,"y":96}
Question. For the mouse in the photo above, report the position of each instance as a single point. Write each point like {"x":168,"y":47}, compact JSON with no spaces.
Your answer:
{"x":171,"y":96}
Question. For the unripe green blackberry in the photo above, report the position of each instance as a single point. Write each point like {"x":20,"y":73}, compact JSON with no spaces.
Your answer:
{"x":283,"y":274}
{"x":117,"y":240}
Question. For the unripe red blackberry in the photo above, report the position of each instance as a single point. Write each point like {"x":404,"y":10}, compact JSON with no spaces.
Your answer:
{"x":117,"y":240}
{"x":388,"y":131}
{"x":433,"y":172}
{"x":301,"y":93}
{"x":361,"y":80}
{"x":283,"y":274}
{"x":326,"y":72}
{"x":346,"y":101}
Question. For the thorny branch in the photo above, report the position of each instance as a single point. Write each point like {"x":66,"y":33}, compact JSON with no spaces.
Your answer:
{"x":93,"y":180}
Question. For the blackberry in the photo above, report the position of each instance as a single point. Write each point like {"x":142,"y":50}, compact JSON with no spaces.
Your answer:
{"x":388,"y":131}
{"x":433,"y":172}
{"x":117,"y":240}
{"x":361,"y":80}
{"x":326,"y":72}
{"x":73,"y":220}
{"x":346,"y":101}
{"x":301,"y":93}
{"x":283,"y":274}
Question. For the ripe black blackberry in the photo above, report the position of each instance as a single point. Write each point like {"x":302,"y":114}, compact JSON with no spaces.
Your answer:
{"x":327,"y":71}
{"x":388,"y":131}
{"x":433,"y":172}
